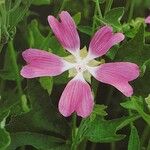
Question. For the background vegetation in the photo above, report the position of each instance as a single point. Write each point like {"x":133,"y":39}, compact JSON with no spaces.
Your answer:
{"x":29,"y":118}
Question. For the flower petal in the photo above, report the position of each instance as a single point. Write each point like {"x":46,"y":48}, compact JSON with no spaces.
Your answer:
{"x":76,"y":97}
{"x":103,"y":40}
{"x":65,"y":31}
{"x":147,"y":20}
{"x":41,"y":63}
{"x":117,"y":74}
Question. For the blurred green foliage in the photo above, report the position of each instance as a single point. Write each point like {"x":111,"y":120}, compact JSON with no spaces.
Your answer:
{"x":29,"y":118}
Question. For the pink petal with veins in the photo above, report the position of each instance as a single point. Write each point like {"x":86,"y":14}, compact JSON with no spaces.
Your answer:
{"x":117,"y":74}
{"x":65,"y":31}
{"x":76,"y":97}
{"x":41,"y":63}
{"x":147,"y":20}
{"x":103,"y":40}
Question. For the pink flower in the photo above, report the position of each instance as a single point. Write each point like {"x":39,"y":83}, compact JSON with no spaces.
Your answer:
{"x":77,"y":96}
{"x":147,"y":20}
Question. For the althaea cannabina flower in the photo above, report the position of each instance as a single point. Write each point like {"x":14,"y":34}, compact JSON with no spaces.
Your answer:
{"x":77,"y":96}
{"x":147,"y":20}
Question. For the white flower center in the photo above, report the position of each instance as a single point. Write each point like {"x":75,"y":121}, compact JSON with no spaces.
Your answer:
{"x":81,"y":65}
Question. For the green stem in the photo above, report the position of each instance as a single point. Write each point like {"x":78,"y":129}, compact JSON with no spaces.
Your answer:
{"x":74,"y":120}
{"x":14,"y":63}
{"x":16,"y":69}
{"x":131,"y":10}
{"x":86,"y":6}
{"x":127,"y":5}
{"x":8,"y":14}
{"x":108,"y":5}
{"x":145,"y":134}
{"x":98,"y":8}
{"x":62,"y":5}
{"x":16,"y":5}
{"x":94,"y":19}
{"x":3,"y":14}
{"x":130,"y":114}
{"x":145,"y":116}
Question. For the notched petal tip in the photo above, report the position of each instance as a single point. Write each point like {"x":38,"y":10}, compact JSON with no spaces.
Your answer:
{"x":26,"y":72}
{"x":103,"y":40}
{"x":25,"y":53}
{"x":50,"y":17}
{"x":63,"y":13}
{"x":42,"y":63}
{"x":128,"y":93}
{"x":106,"y":28}
{"x":65,"y":31}
{"x":52,"y":20}
{"x":117,"y":74}
{"x":76,"y":97}
{"x":118,"y":37}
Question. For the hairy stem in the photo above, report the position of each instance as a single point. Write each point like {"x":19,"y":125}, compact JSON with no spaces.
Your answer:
{"x":62,"y":5}
{"x":98,"y":9}
{"x":132,"y":4}
{"x":17,"y":72}
{"x":14,"y":63}
{"x":145,"y":134}
{"x":94,"y":19}
{"x":108,"y":5}
{"x":74,"y":120}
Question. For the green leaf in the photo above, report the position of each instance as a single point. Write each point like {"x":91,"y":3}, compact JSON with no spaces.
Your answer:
{"x":17,"y":14}
{"x":62,"y":79}
{"x":147,"y":100}
{"x":41,"y":2}
{"x":137,"y":104}
{"x":133,"y":52}
{"x":100,"y":130}
{"x":43,"y":116}
{"x":112,"y":52}
{"x":8,"y":100}
{"x":77,"y":18}
{"x":47,"y":83}
{"x":129,"y":104}
{"x":3,"y":117}
{"x":113,"y":18}
{"x":143,"y":82}
{"x":8,"y":73}
{"x":56,"y":48}
{"x":134,"y":141}
{"x":37,"y":140}
{"x":100,"y":110}
{"x":2,"y":2}
{"x":130,"y":29}
{"x":85,"y":29}
{"x":4,"y":139}
{"x":140,"y":110}
{"x":4,"y":135}
{"x":34,"y":37}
